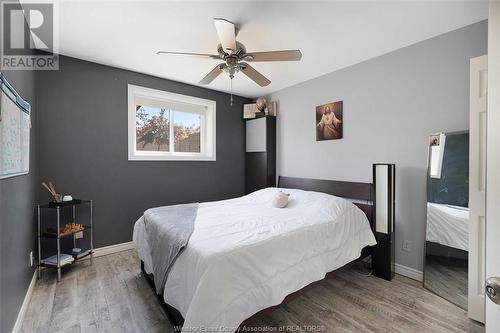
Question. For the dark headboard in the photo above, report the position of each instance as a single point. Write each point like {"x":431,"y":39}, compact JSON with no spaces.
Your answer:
{"x":348,"y":190}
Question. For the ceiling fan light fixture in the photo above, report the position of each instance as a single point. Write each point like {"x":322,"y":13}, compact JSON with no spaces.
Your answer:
{"x":231,"y":70}
{"x":235,"y":56}
{"x":247,"y":57}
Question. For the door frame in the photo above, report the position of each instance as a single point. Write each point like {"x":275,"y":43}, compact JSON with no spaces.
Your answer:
{"x":477,"y":185}
{"x":493,"y":163}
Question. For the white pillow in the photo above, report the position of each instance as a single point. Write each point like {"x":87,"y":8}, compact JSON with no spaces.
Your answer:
{"x":281,"y":199}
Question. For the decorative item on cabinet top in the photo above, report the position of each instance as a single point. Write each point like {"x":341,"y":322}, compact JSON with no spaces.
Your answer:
{"x":260,"y":108}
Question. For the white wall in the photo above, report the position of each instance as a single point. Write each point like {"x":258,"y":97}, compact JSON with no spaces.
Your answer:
{"x":391,"y":104}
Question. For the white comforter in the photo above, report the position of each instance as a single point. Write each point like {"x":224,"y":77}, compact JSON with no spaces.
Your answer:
{"x":246,"y":255}
{"x":448,"y":225}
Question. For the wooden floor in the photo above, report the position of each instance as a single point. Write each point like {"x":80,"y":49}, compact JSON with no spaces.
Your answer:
{"x":448,"y":278}
{"x":112,"y":296}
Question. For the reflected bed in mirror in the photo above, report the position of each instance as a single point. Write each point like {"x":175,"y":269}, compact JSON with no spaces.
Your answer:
{"x":447,"y":232}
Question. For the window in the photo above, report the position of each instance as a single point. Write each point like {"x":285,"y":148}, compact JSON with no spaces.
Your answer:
{"x":167,"y":126}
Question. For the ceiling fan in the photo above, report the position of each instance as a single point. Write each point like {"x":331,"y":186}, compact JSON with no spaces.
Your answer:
{"x":236,"y":58}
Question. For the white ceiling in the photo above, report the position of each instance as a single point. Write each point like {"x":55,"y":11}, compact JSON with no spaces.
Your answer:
{"x":330,"y":34}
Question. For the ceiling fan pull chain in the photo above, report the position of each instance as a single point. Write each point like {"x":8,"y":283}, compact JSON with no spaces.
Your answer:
{"x":231,"y":100}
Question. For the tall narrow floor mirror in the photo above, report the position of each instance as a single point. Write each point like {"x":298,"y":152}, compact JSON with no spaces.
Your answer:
{"x":447,"y":232}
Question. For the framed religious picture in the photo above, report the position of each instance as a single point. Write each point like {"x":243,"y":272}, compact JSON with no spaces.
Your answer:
{"x":329,"y":121}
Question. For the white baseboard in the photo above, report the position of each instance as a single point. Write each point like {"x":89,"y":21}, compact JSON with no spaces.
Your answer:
{"x":409,"y":272}
{"x":98,"y":252}
{"x":103,"y":251}
{"x":22,"y":311}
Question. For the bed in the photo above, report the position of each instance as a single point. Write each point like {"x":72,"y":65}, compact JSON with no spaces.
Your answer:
{"x":448,"y":225}
{"x":246,"y":256}
{"x":447,"y":232}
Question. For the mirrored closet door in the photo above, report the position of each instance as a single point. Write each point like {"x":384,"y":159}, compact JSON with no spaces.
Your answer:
{"x":447,"y":232}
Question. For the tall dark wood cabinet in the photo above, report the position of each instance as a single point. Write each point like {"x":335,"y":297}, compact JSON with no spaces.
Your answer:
{"x":260,"y":155}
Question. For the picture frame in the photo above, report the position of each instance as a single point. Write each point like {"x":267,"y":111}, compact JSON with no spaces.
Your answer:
{"x":329,"y":121}
{"x":249,"y":110}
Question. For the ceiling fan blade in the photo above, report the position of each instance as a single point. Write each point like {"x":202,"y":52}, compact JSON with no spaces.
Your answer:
{"x":213,"y":56}
{"x":288,"y":55}
{"x":253,"y":74}
{"x":227,"y":34}
{"x":213,"y":74}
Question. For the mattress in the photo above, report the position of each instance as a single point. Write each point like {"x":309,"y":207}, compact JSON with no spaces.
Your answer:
{"x":448,"y":225}
{"x":245,"y":255}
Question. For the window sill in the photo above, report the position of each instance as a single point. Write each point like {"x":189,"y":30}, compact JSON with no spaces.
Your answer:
{"x":170,"y":158}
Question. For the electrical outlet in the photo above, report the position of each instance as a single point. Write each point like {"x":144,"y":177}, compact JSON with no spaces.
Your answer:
{"x":79,"y":235}
{"x":406,"y":245}
{"x":31,"y":259}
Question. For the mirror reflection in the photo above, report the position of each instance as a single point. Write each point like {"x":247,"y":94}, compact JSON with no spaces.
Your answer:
{"x":447,"y":232}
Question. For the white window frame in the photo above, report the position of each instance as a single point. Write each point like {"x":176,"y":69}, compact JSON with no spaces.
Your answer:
{"x":207,"y":126}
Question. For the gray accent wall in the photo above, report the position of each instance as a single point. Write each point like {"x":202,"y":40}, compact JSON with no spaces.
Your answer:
{"x":83,"y":137}
{"x":391,"y":104}
{"x":17,"y":225}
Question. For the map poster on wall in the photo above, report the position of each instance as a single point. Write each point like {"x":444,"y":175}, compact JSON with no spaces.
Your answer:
{"x":14,"y":133}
